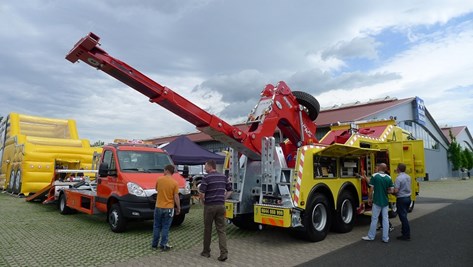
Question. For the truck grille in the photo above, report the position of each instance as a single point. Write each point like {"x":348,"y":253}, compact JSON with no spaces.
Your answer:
{"x":154,"y":197}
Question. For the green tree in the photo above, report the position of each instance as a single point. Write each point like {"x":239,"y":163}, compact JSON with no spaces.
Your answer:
{"x":98,"y":143}
{"x":454,"y":153}
{"x":467,"y":159}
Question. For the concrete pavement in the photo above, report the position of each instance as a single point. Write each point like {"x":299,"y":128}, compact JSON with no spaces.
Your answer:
{"x":278,"y":247}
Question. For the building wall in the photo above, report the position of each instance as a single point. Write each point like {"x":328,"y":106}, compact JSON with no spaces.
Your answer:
{"x":464,"y":140}
{"x":437,"y":165}
{"x":436,"y":160}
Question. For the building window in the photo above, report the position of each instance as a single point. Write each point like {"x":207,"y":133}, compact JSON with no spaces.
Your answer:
{"x":420,"y":133}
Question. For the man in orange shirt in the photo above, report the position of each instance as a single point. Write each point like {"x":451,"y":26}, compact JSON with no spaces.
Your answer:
{"x":168,"y":198}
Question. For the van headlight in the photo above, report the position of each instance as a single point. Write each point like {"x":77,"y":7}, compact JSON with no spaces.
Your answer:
{"x":186,"y":190}
{"x":135,"y":189}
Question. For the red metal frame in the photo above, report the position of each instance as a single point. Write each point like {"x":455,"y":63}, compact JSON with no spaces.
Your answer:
{"x":284,"y":113}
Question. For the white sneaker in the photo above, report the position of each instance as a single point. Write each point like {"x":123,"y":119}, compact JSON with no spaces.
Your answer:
{"x":367,"y":238}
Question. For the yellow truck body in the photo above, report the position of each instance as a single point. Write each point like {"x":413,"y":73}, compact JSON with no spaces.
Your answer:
{"x":32,"y":147}
{"x":324,"y":190}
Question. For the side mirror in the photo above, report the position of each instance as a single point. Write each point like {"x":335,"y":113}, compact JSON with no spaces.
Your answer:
{"x":103,"y":169}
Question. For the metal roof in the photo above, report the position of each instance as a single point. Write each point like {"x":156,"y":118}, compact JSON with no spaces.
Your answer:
{"x":455,"y":131}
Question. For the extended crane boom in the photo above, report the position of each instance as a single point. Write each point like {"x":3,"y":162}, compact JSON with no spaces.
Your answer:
{"x":277,"y":108}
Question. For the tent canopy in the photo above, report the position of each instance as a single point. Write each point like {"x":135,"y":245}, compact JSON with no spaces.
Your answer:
{"x":185,"y":152}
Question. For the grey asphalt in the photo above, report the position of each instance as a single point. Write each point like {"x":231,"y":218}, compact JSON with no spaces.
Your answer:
{"x":442,"y":234}
{"x":441,"y":238}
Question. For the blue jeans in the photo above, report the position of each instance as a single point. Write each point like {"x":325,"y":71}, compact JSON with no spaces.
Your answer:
{"x":374,"y":222}
{"x":402,"y":205}
{"x":162,"y":223}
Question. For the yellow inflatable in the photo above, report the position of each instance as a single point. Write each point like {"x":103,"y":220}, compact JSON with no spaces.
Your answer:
{"x":31,"y":148}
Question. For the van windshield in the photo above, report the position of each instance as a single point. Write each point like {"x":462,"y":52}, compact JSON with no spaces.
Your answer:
{"x":142,"y":161}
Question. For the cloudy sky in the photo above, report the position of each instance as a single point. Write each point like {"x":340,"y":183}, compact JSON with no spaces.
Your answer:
{"x":221,"y":53}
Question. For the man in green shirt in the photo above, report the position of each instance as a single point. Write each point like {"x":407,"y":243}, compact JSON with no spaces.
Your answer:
{"x":381,"y":185}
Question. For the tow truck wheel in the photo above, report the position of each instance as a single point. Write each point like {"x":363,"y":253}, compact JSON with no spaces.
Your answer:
{"x":11,"y":182}
{"x":246,"y":222}
{"x":62,"y":205}
{"x":178,"y":219}
{"x":392,"y":211}
{"x":309,"y":102}
{"x":17,"y":183}
{"x":345,"y":213}
{"x":317,"y":219}
{"x":116,"y":220}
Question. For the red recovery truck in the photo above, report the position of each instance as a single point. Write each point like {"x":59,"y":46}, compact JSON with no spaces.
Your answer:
{"x":125,"y":188}
{"x":297,"y":183}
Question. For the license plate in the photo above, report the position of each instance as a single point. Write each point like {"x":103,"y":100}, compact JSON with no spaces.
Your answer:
{"x":272,"y":212}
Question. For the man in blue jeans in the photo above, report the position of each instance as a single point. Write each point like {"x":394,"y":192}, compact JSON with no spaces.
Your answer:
{"x":168,"y":198}
{"x":402,"y":190}
{"x":380,"y":185}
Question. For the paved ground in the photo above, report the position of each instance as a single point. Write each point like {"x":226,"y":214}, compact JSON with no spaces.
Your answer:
{"x":35,"y":235}
{"x":441,"y":238}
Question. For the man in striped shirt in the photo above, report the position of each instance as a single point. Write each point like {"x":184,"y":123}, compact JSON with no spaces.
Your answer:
{"x":214,"y":189}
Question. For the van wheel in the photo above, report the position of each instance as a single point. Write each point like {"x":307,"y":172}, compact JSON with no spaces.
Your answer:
{"x":345,"y":213}
{"x":178,"y":219}
{"x":196,"y":180}
{"x":11,"y":182}
{"x":116,"y":220}
{"x":62,"y":205}
{"x":317,"y":219}
{"x":17,"y":183}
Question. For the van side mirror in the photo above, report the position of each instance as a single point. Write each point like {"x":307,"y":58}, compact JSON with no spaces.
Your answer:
{"x":103,"y":169}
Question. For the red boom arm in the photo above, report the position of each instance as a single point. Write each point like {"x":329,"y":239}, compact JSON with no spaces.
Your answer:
{"x":281,"y":110}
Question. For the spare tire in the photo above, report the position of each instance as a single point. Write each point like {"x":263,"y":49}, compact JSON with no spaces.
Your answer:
{"x":309,"y":102}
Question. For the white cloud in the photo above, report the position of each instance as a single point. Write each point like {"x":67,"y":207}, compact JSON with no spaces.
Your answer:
{"x":220,"y":54}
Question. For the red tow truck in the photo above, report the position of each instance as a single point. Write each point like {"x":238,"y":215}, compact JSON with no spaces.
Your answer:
{"x":125,"y":188}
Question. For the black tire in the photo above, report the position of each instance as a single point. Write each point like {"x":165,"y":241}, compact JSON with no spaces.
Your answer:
{"x":178,"y":219}
{"x":392,"y":213}
{"x":17,"y":183}
{"x":317,"y":218}
{"x":309,"y":102}
{"x":197,"y":180}
{"x":62,"y":205}
{"x":344,"y":216}
{"x":411,"y":206}
{"x":11,"y":182}
{"x":116,"y":219}
{"x":245,"y":222}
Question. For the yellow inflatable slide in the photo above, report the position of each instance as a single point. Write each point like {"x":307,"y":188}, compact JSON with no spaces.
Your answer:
{"x":32,"y":148}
